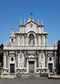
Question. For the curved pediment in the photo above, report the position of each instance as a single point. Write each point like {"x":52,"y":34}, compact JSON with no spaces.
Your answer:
{"x":31,"y":56}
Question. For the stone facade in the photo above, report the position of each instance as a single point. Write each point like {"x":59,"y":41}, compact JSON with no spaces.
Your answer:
{"x":28,"y":51}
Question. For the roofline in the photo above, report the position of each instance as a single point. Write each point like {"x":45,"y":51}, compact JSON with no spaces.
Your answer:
{"x":38,"y":25}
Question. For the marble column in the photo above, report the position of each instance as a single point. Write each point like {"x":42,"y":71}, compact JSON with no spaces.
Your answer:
{"x":43,"y":40}
{"x":27,"y":66}
{"x":16,"y":59}
{"x":4,"y":61}
{"x":26,"y":40}
{"x":23,"y":59}
{"x":7,"y":57}
{"x":18,"y":41}
{"x":35,"y":41}
{"x":39,"y":40}
{"x":35,"y":67}
{"x":46,"y":40}
{"x":40,"y":60}
{"x":55,"y":54}
{"x":46,"y":56}
{"x":23,"y":40}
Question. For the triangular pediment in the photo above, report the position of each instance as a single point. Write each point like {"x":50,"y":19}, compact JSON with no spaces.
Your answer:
{"x":31,"y":21}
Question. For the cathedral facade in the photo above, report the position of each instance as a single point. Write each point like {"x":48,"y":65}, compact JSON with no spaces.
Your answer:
{"x":28,"y":51}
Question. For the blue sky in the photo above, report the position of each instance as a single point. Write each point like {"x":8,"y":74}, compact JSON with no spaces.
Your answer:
{"x":11,"y":11}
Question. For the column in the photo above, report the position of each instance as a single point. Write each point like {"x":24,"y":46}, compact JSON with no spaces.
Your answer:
{"x":18,"y":41}
{"x":55,"y":59}
{"x":27,"y":66}
{"x":23,"y":59}
{"x":35,"y":41}
{"x":20,"y":63}
{"x":39,"y":39}
{"x":35,"y":66}
{"x":46,"y":40}
{"x":46,"y":55}
{"x":4,"y":62}
{"x":7,"y":60}
{"x":43,"y":40}
{"x":26,"y":39}
{"x":40,"y":60}
{"x":23,"y":40}
{"x":18,"y":59}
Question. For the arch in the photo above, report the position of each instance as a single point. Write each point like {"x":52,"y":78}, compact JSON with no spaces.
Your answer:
{"x":31,"y":36}
{"x":31,"y":32}
{"x":31,"y":39}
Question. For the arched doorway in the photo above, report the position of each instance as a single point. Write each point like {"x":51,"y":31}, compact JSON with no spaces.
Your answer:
{"x":12,"y":68}
{"x":31,"y":64}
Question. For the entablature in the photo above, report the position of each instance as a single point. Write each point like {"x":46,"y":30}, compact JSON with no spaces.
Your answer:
{"x":30,"y":48}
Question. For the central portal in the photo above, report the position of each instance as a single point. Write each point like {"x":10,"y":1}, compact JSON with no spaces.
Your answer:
{"x":31,"y":66}
{"x":12,"y":68}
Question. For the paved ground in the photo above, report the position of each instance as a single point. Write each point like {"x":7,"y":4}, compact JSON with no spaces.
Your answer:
{"x":30,"y":81}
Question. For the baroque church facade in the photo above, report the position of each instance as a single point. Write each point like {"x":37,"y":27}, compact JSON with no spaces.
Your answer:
{"x":28,"y":51}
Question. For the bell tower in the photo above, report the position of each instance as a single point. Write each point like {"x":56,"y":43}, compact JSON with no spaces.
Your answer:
{"x":12,"y":36}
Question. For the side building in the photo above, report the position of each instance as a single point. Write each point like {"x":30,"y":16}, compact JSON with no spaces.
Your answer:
{"x":28,"y":51}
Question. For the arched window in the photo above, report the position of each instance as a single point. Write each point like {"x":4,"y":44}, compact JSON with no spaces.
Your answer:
{"x":12,"y":59}
{"x":31,"y":36}
{"x":31,"y":39}
{"x":12,"y":40}
{"x":50,"y":58}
